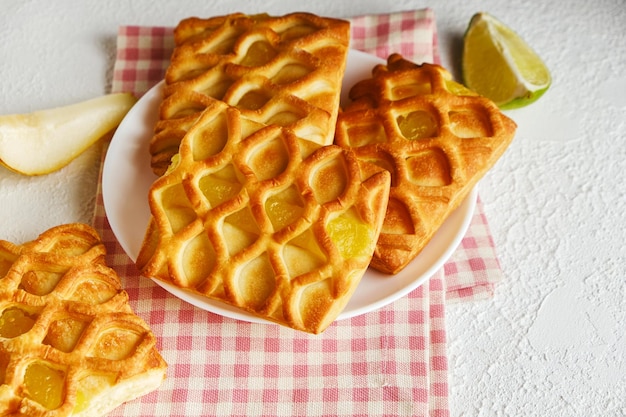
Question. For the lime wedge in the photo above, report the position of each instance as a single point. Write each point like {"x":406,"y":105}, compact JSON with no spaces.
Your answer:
{"x":499,"y":65}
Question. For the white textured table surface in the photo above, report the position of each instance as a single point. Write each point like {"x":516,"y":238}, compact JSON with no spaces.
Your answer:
{"x":553,"y":339}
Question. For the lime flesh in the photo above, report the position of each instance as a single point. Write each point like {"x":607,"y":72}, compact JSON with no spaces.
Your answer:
{"x":498,"y":64}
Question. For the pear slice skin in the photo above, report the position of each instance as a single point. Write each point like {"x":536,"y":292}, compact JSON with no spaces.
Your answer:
{"x":45,"y":141}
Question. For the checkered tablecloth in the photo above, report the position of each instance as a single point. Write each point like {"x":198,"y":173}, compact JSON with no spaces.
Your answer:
{"x":389,"y":362}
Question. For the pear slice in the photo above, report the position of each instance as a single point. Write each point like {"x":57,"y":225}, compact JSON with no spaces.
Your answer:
{"x":44,"y":141}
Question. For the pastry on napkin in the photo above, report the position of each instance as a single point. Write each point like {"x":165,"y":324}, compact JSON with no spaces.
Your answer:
{"x":70,"y":345}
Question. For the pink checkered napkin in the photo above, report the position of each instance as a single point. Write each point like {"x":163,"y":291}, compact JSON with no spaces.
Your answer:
{"x":388,"y":362}
{"x":473,"y":269}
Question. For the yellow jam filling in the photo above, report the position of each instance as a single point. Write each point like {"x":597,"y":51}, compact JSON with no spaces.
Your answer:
{"x":417,"y":125}
{"x":259,"y":53}
{"x":284,"y":208}
{"x":353,"y":237}
{"x":14,"y":322}
{"x":220,"y":186}
{"x":45,"y":385}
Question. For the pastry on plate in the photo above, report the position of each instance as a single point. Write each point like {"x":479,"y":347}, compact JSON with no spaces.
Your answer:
{"x":70,"y":345}
{"x":435,"y":137}
{"x":282,"y":70}
{"x":253,"y":222}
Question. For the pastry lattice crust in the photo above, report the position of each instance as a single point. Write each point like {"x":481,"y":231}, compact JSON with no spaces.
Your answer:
{"x":276,"y":69}
{"x":69,"y":343}
{"x":253,"y":222}
{"x":435,"y":137}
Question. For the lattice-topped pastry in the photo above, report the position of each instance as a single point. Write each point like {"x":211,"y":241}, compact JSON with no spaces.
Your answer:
{"x":277,"y":70}
{"x":435,"y":137}
{"x":69,"y":343}
{"x":246,"y":219}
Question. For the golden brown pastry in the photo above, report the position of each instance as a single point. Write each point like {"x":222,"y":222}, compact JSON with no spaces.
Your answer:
{"x":251,"y":222}
{"x":435,"y":137}
{"x":281,"y":70}
{"x":70,"y":344}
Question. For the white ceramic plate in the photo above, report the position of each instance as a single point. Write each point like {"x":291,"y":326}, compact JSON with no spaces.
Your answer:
{"x":127,"y":178}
